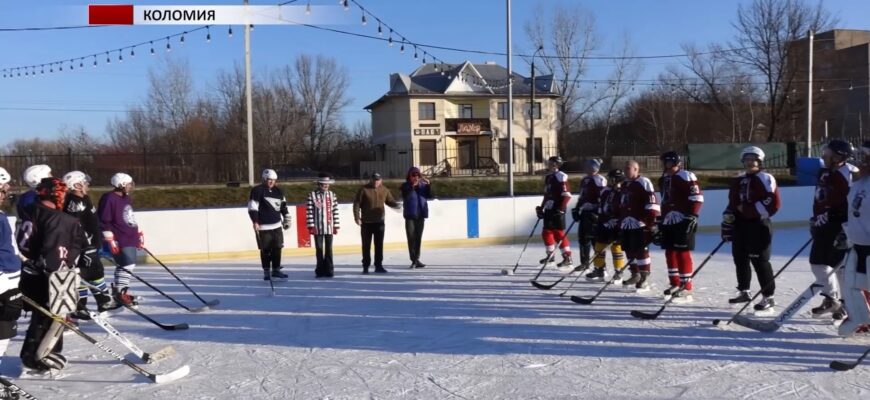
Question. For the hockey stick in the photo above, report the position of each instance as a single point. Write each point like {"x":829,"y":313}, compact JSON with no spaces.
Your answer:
{"x":590,"y":300}
{"x":718,"y":322}
{"x":643,"y":315}
{"x":580,"y":272}
{"x":529,"y":239}
{"x":791,"y":310}
{"x":552,"y":255}
{"x":175,"y":327}
{"x":156,"y":378}
{"x":845,"y":366}
{"x":211,"y":303}
{"x":21,"y":393}
{"x":140,"y":279}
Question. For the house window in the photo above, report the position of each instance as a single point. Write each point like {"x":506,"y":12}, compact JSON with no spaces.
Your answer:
{"x":537,"y":110}
{"x":503,"y":151}
{"x":426,"y":111}
{"x":428,"y":152}
{"x":465,"y":111}
{"x":539,"y":150}
{"x":502,"y":110}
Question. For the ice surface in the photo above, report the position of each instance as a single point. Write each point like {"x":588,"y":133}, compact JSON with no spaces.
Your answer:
{"x":458,"y":329}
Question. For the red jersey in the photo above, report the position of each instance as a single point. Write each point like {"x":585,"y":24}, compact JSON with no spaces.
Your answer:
{"x":832,"y":190}
{"x":590,"y":190}
{"x":556,"y":192}
{"x":637,"y":199}
{"x":681,"y":192}
{"x":758,"y":195}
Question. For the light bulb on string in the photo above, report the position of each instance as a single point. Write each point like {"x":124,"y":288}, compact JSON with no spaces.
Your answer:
{"x":108,"y":60}
{"x":182,"y":38}
{"x":308,"y":8}
{"x":380,"y":29}
{"x":230,"y":32}
{"x":152,"y":48}
{"x":132,"y":52}
{"x":120,"y":57}
{"x":41,"y":69}
{"x":251,"y":27}
{"x":345,"y":5}
{"x":364,"y":22}
{"x":168,"y":46}
{"x":390,"y":39}
{"x":81,"y":62}
{"x":71,"y":65}
{"x":51,"y":68}
{"x":60,"y":67}
{"x":402,"y":49}
{"x":415,"y":52}
{"x":207,"y":34}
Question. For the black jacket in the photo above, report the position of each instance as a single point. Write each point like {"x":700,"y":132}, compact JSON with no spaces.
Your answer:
{"x":52,"y":239}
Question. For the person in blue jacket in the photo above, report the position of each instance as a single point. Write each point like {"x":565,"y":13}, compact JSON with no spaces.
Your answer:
{"x":415,"y":192}
{"x":10,"y":273}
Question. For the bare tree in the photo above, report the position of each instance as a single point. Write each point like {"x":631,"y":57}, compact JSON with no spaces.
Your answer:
{"x":322,"y":88}
{"x":625,"y":69}
{"x":766,"y":30}
{"x":568,"y":37}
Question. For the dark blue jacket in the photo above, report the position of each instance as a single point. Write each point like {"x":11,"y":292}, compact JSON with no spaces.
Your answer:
{"x":9,"y":261}
{"x":414,"y":198}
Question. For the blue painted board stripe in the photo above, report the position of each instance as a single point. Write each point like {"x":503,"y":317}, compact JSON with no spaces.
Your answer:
{"x":473,"y":217}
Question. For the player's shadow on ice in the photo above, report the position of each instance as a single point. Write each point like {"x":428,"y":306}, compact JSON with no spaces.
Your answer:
{"x":445,"y":312}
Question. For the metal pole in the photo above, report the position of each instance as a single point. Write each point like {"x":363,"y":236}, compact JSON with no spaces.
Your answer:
{"x":510,"y":101}
{"x":249,"y":103}
{"x":532,"y":124}
{"x":810,"y":101}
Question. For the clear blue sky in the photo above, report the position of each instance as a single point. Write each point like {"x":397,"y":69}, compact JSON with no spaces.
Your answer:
{"x":655,"y":27}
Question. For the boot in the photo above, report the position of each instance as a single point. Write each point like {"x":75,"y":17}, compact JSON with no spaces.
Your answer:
{"x":276,"y":273}
{"x":829,"y":305}
{"x":597,"y":275}
{"x":105,"y":302}
{"x":123,"y":296}
{"x":266,"y":275}
{"x":545,"y":260}
{"x":81,"y":312}
{"x":379,"y":269}
{"x":642,"y":284}
{"x":365,"y":269}
{"x":566,"y":261}
{"x":632,"y":280}
{"x":682,"y":296}
{"x":840,"y":313}
{"x":418,"y":264}
{"x":742,"y":297}
{"x":671,"y":290}
{"x":765,"y":304}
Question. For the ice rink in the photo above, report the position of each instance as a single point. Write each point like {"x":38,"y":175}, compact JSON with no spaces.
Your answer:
{"x":458,"y":329}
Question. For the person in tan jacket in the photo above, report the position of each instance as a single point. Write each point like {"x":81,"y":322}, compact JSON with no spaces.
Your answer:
{"x":368,"y":213}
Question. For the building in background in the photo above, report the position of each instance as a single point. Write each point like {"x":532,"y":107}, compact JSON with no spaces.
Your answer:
{"x":841,"y":85}
{"x":451,"y":120}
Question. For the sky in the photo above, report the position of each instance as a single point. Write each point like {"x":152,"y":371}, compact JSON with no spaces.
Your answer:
{"x":45,"y":106}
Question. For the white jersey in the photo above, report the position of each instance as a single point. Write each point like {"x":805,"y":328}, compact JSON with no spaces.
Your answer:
{"x":857,"y":227}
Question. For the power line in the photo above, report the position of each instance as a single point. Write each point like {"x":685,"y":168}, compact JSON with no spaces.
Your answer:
{"x":51,"y":28}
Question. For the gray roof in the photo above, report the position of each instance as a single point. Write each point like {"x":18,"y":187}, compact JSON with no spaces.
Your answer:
{"x":465,"y":79}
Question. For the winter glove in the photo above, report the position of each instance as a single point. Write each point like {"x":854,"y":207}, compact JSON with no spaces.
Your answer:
{"x":286,"y":224}
{"x":631,"y":223}
{"x":727,"y":226}
{"x":575,"y":213}
{"x":141,"y":240}
{"x":673,"y":218}
{"x":656,"y":235}
{"x":312,"y":230}
{"x":110,"y":244}
{"x":820,"y":219}
{"x":841,"y":242}
{"x":539,"y":211}
{"x":335,"y":231}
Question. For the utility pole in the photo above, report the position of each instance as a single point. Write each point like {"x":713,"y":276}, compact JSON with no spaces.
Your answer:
{"x":510,"y":105}
{"x":810,"y":101}
{"x":249,"y":102}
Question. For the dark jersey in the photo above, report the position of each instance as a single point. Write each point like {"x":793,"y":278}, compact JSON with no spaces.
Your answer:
{"x":608,"y":203}
{"x":754,"y":196}
{"x":556,"y":191}
{"x":267,"y":207}
{"x":681,"y":193}
{"x":832,"y":189}
{"x":83,"y":209}
{"x":52,"y":239}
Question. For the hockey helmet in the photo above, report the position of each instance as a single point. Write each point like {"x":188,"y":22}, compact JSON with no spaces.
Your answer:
{"x":73,"y":178}
{"x":35,"y":173}
{"x":556,"y":160}
{"x":4,"y":176}
{"x":671,"y":156}
{"x":269,"y":174}
{"x":753,"y":151}
{"x":616,"y":175}
{"x":841,"y":148}
{"x":120,"y":180}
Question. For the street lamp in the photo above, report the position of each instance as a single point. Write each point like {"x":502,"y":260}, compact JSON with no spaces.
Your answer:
{"x":532,"y":117}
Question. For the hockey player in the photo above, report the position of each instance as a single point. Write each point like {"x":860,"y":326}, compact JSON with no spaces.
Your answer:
{"x":323,"y":223}
{"x":752,"y":199}
{"x":53,"y":240}
{"x":856,"y":277}
{"x":681,"y":204}
{"x":10,"y":273}
{"x":830,"y":206}
{"x":121,"y":234}
{"x":585,"y":213}
{"x":27,"y":201}
{"x":638,"y":209}
{"x":268,"y":210}
{"x":607,"y":229}
{"x":552,"y":211}
{"x":79,"y":205}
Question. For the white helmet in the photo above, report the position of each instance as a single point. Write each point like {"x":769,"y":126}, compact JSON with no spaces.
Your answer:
{"x":269,"y":174}
{"x":35,"y":173}
{"x":121,"y":179}
{"x":73,"y":178}
{"x":4,"y":176}
{"x":754,"y":151}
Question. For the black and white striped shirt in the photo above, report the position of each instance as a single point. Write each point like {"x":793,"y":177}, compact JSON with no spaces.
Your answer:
{"x":322,"y":212}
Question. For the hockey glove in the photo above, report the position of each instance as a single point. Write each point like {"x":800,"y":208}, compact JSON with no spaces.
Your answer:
{"x":539,"y":211}
{"x":841,"y":242}
{"x":575,"y":213}
{"x":286,"y":224}
{"x":110,"y":244}
{"x":335,"y":231}
{"x":727,"y":226}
